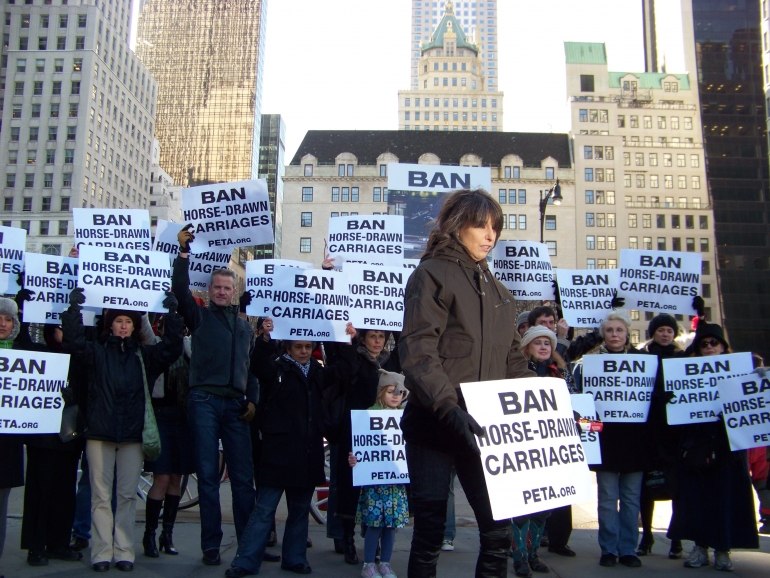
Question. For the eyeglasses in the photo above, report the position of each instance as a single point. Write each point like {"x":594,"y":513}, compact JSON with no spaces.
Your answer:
{"x":708,"y":343}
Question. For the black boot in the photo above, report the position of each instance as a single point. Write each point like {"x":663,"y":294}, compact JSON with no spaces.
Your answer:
{"x":170,"y":508}
{"x":423,"y":556}
{"x":495,"y":550}
{"x":152,"y":513}
{"x":349,"y":541}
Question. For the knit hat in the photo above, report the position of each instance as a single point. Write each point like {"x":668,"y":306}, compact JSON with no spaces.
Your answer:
{"x":391,"y":378}
{"x":111,"y":314}
{"x":538,"y":331}
{"x":523,"y":318}
{"x":705,"y":330}
{"x":663,"y":320}
{"x":9,"y":307}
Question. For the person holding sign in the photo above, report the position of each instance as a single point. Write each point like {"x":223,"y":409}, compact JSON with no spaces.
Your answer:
{"x":382,"y":508}
{"x":625,"y":456}
{"x":119,"y":370}
{"x":459,"y":327}
{"x":714,"y":506}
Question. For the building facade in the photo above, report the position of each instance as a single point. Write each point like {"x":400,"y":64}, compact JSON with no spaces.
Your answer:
{"x":78,"y":116}
{"x":452,"y":93}
{"x":478,"y":21}
{"x":640,"y":169}
{"x":272,"y":152}
{"x":208,"y":60}
{"x":165,"y":196}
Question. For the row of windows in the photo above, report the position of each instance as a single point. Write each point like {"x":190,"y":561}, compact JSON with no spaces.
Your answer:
{"x":600,"y":197}
{"x":599,"y":153}
{"x":58,"y":65}
{"x":347,"y":194}
{"x":463,"y":82}
{"x":515,"y":222}
{"x":455,"y":102}
{"x":82,"y":19}
{"x":455,"y":128}
{"x":44,"y":229}
{"x":61,"y":43}
{"x":661,"y":122}
{"x":601,"y":243}
{"x":455,"y":116}
{"x":660,"y":221}
{"x":599,"y":175}
{"x":600,"y":219}
{"x":344,"y":170}
{"x":29,"y":179}
{"x":668,"y":159}
{"x":45,"y":204}
{"x":512,"y":196}
{"x":38,"y":85}
{"x":668,"y":181}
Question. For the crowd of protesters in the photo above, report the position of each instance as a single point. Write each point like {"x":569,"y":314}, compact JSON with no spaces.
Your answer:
{"x":204,"y":377}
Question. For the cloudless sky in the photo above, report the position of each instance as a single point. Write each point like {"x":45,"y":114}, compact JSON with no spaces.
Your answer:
{"x":338,"y":64}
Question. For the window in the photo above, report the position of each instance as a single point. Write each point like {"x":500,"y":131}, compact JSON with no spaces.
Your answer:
{"x":689,"y":222}
{"x":647,"y":243}
{"x":306,"y":220}
{"x":696,"y":182}
{"x":589,"y":197}
{"x":639,"y":159}
{"x":44,"y":228}
{"x":522,"y":222}
{"x":522,"y":196}
{"x":502,"y":195}
{"x":646,"y":221}
{"x":345,"y":194}
{"x":633,"y":242}
{"x":307,"y":194}
{"x":25,"y":226}
{"x":8,"y":204}
{"x":61,"y":43}
{"x":667,"y":159}
{"x":688,"y":123}
{"x":71,"y":132}
{"x":42,"y":43}
{"x":654,"y":182}
{"x":75,"y":89}
{"x":376,"y":194}
{"x":690,"y":244}
{"x":621,"y":121}
{"x":647,"y":122}
{"x":640,"y":181}
{"x":705,"y":268}
{"x":516,"y":172}
{"x":69,"y":156}
{"x":601,"y":219}
{"x":676,"y":244}
{"x":601,"y":264}
{"x":590,"y":263}
{"x":80,"y":42}
{"x":304,"y":245}
{"x":627,"y":159}
{"x":704,"y":245}
{"x":27,"y":204}
{"x":47,"y":183}
{"x":682,"y":182}
{"x":590,"y":242}
{"x":589,"y":219}
{"x":551,"y":248}
{"x":54,"y":110}
{"x":668,"y":181}
{"x":610,"y":177}
{"x":550,"y":222}
{"x":13,"y":157}
{"x":10,"y":180}
{"x":601,"y":243}
{"x":549,"y":173}
{"x":82,"y":20}
{"x":384,"y":168}
{"x":583,"y":115}
{"x":660,"y":221}
{"x":627,"y":180}
{"x":610,"y":219}
{"x":704,"y":221}
{"x":589,"y":175}
{"x":335,"y":194}
{"x":586,"y":83}
{"x":632,"y":221}
{"x":33,"y":133}
{"x":599,"y":153}
{"x":354,"y":194}
{"x":56,"y":90}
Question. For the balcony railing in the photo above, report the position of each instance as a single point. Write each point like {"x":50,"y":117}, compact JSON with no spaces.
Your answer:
{"x":639,"y":102}
{"x":664,"y":145}
{"x":674,"y":205}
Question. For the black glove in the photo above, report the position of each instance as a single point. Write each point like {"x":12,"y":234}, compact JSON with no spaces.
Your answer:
{"x":170,"y":302}
{"x":20,"y":280}
{"x":22,"y":296}
{"x":245,"y":300}
{"x":617,"y":302}
{"x":77,"y":298}
{"x":185,"y":237}
{"x":699,"y":305}
{"x":462,"y":424}
{"x":555,"y":286}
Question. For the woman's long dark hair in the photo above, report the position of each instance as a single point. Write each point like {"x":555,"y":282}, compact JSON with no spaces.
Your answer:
{"x":461,"y":210}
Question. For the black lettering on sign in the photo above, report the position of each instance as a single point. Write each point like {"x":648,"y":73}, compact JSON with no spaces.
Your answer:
{"x":112,"y":219}
{"x":313,"y":282}
{"x":373,"y":224}
{"x":522,"y":252}
{"x":126,"y":258}
{"x":591,"y":280}
{"x":208,"y":197}
{"x":671,"y":262}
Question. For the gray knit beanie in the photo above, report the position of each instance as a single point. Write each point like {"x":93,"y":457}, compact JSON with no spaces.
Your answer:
{"x":8,"y":307}
{"x":538,"y":331}
{"x":523,"y":318}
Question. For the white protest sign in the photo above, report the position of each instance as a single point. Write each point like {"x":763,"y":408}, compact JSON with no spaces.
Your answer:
{"x":371,"y":239}
{"x":438,"y":178}
{"x":583,"y":404}
{"x":201,"y":264}
{"x":114,"y":228}
{"x":411,"y":263}
{"x":621,"y":385}
{"x":119,"y":279}
{"x":13,"y":243}
{"x":659,"y":280}
{"x":694,"y":381}
{"x":532,"y":456}
{"x":376,"y":296}
{"x":31,"y":383}
{"x":51,"y":278}
{"x":308,"y":304}
{"x":524,"y":267}
{"x":259,"y":281}
{"x":379,"y":447}
{"x":746,"y":410}
{"x":228,"y":215}
{"x":586,"y":295}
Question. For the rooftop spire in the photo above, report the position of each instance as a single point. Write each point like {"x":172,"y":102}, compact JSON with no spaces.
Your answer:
{"x":450,"y":7}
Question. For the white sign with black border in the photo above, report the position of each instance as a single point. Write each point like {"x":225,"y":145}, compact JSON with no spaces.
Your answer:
{"x":583,"y":405}
{"x":659,"y":280}
{"x":368,"y":239}
{"x":376,"y":296}
{"x":438,"y":178}
{"x":379,"y":447}
{"x":259,"y":281}
{"x":13,"y":243}
{"x":746,"y":410}
{"x":51,"y":279}
{"x":114,"y":228}
{"x":586,"y":295}
{"x":524,"y":267}
{"x":621,"y":385}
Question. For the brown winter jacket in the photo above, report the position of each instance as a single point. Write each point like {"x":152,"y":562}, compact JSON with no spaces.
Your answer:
{"x":459,"y":327}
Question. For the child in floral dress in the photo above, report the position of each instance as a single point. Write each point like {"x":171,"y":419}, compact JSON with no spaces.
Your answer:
{"x":382,"y":508}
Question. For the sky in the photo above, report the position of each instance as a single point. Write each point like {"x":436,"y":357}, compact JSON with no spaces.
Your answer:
{"x":339,"y":64}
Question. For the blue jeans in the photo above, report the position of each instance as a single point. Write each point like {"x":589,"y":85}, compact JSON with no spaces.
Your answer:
{"x":211,"y":418}
{"x":294,"y":544}
{"x":619,"y":528}
{"x":450,"y":529}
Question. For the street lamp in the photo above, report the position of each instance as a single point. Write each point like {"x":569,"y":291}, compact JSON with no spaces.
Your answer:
{"x":554,"y":192}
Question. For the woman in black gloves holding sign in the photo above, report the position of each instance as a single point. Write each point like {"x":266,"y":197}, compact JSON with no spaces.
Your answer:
{"x":119,"y":370}
{"x":459,"y":327}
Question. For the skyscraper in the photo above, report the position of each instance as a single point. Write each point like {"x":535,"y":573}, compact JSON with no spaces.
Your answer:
{"x":271,"y":167}
{"x":723,"y":45}
{"x":479,"y":22}
{"x":208,"y":59}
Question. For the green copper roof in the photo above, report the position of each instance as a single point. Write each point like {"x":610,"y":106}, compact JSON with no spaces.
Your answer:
{"x":585,"y":53}
{"x":449,"y":22}
{"x":649,"y":79}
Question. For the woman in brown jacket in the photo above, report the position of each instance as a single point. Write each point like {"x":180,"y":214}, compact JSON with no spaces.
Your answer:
{"x":459,"y":327}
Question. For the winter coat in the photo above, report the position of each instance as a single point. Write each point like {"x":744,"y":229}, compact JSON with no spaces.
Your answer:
{"x":115,"y":383}
{"x":550,"y":369}
{"x":459,"y":327}
{"x":292,"y":417}
{"x":221,"y":350}
{"x":625,"y":447}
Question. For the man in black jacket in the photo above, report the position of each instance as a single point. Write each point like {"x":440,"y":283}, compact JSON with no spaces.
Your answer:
{"x":223,"y":397}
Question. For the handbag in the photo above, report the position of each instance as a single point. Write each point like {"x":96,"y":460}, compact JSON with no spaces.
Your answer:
{"x":150,"y":433}
{"x":73,"y":425}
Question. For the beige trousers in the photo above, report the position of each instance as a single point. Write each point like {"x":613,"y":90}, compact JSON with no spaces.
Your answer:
{"x":107,"y":460}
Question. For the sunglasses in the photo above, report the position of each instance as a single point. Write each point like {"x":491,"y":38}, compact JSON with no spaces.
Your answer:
{"x":709,"y":343}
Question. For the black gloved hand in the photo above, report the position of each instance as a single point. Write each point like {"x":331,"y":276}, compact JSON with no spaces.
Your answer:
{"x":185,"y":237}
{"x":170,"y":302}
{"x":555,"y":286}
{"x":245,"y":300}
{"x":617,"y":302}
{"x":463,"y":424}
{"x":22,"y":296}
{"x":77,"y":297}
{"x":20,"y":279}
{"x":699,"y":305}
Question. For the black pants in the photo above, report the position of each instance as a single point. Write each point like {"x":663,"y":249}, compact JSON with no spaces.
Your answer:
{"x":49,"y":499}
{"x":429,"y":473}
{"x":559,"y":526}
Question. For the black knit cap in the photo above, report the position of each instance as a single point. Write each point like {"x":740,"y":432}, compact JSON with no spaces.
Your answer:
{"x":111,"y":314}
{"x":705,"y":330}
{"x":663,"y":320}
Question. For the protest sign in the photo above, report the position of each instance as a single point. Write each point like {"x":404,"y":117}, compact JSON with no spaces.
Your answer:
{"x":621,"y":385}
{"x":583,"y":405}
{"x":659,"y":280}
{"x":114,"y":228}
{"x":370,"y":239}
{"x":31,"y":384}
{"x":13,"y":243}
{"x":524,"y":267}
{"x":532,"y":456}
{"x":694,"y":382}
{"x":438,"y":178}
{"x":586,"y":295}
{"x":201,"y":264}
{"x":307,"y":305}
{"x":120,"y":279}
{"x":376,"y":296}
{"x":259,"y":281}
{"x":745,"y":405}
{"x":51,"y":278}
{"x":379,"y":447}
{"x":228,"y":215}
